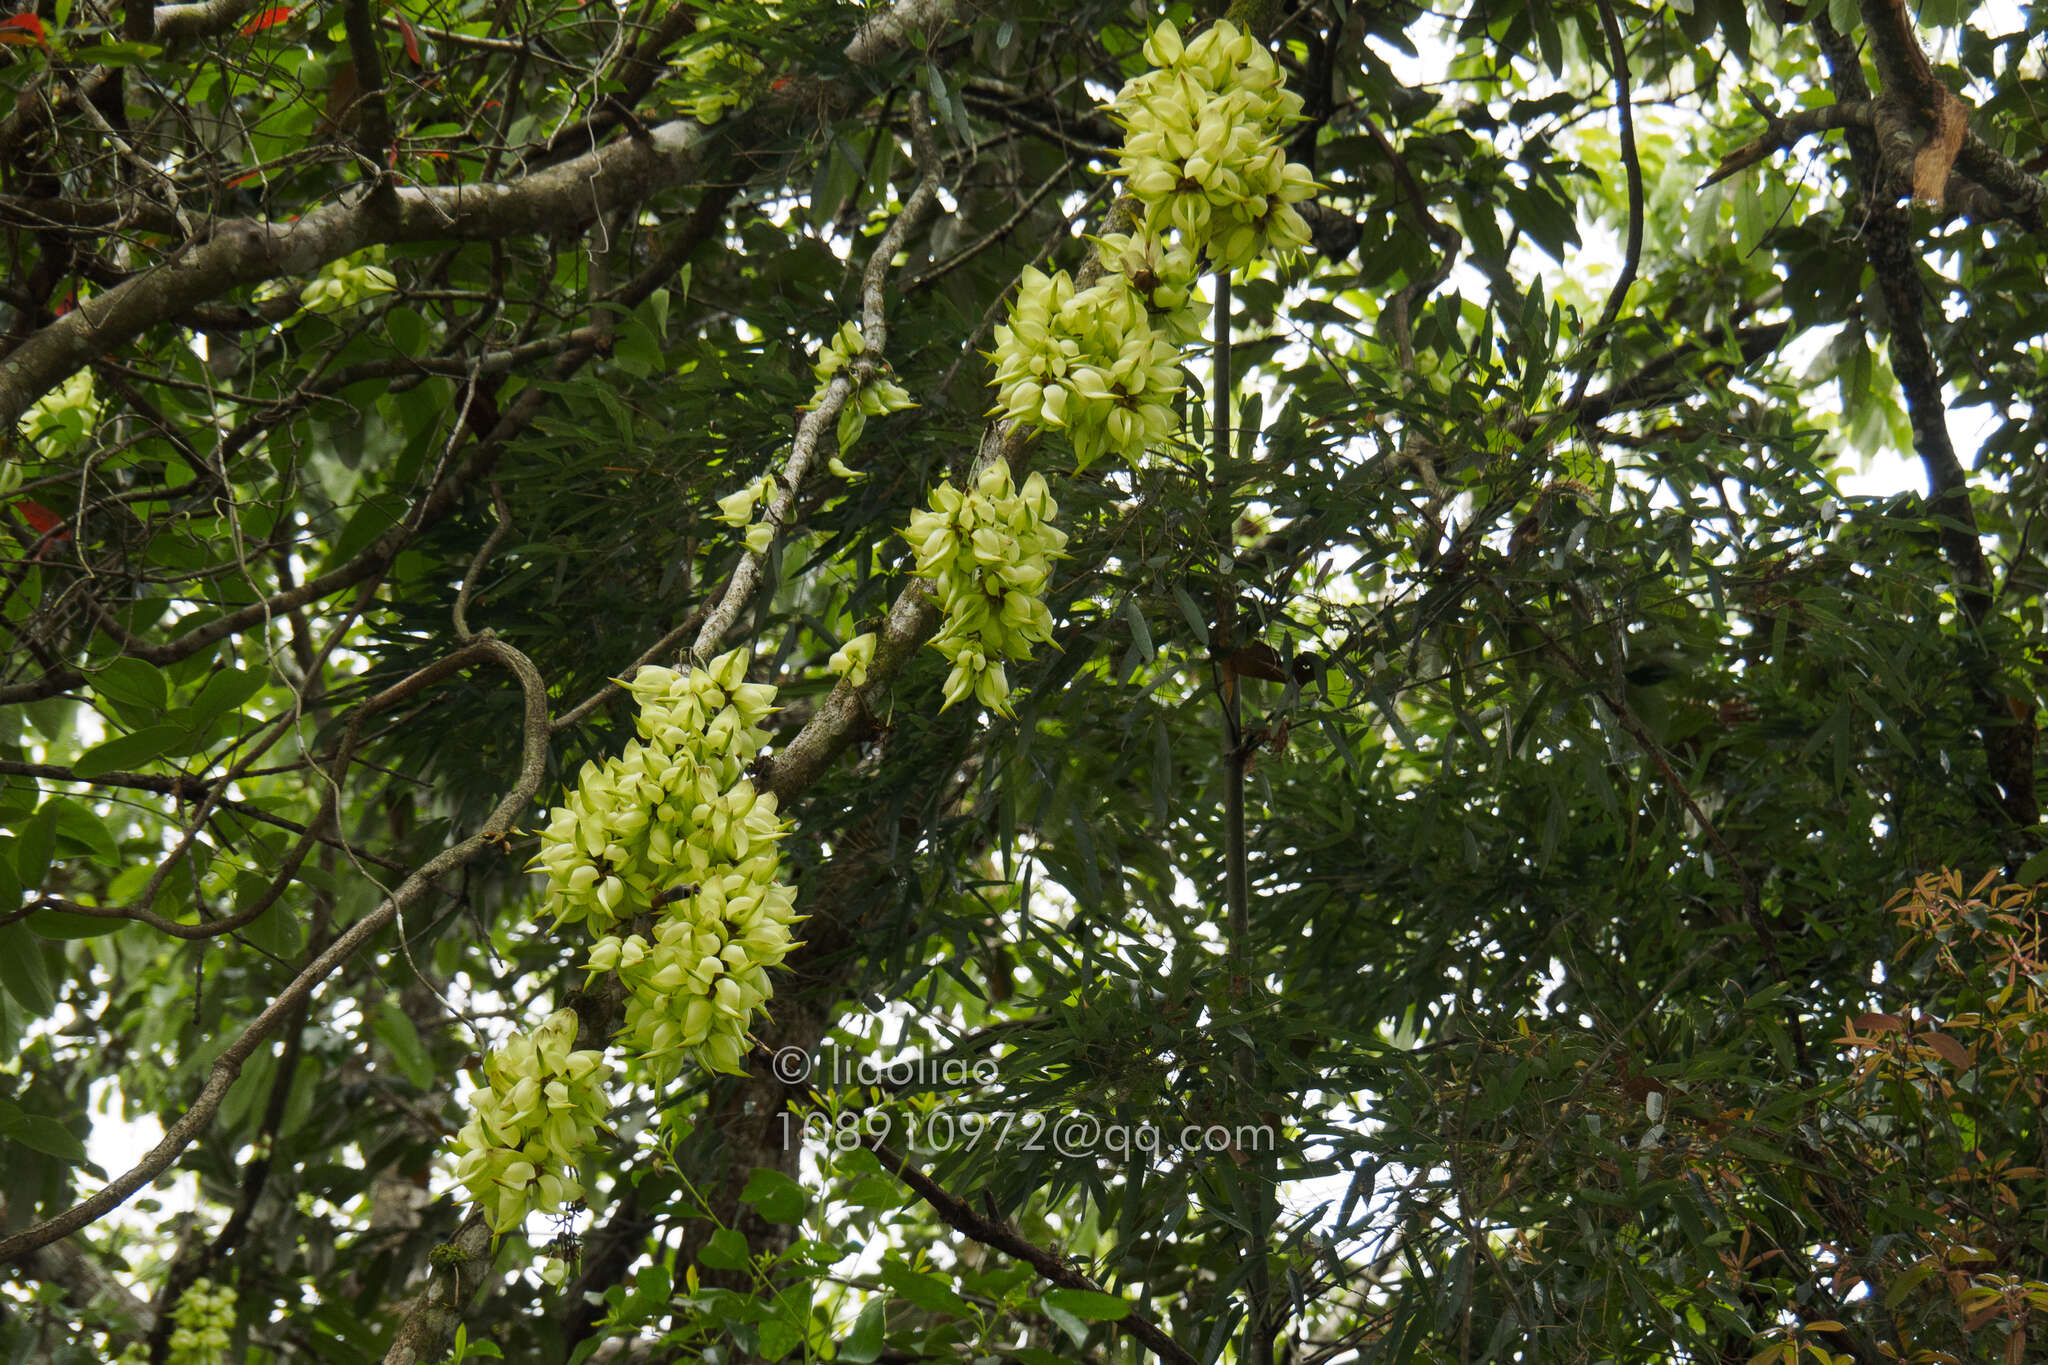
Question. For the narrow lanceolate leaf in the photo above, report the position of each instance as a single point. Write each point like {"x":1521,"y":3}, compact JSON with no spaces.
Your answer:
{"x":127,"y":752}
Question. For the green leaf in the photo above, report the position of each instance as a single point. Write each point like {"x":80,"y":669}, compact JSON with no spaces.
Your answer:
{"x":933,"y":1293}
{"x":225,"y":691}
{"x":33,"y":850}
{"x":25,"y":972}
{"x":277,"y":933}
{"x":2035,"y":870}
{"x":1141,"y":634}
{"x":127,"y":752}
{"x":78,"y":824}
{"x":775,"y":1196}
{"x":1545,"y":24}
{"x":10,"y":880}
{"x":777,"y":1339}
{"x":864,"y":1343}
{"x":133,"y":683}
{"x":396,"y":1031}
{"x":47,"y":1136}
{"x":1068,"y":1322}
{"x":65,"y":925}
{"x":727,"y":1250}
{"x":1197,"y":626}
{"x":1089,"y":1305}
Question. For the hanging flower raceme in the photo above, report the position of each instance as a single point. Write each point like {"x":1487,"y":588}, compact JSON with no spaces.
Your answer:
{"x":1202,"y":148}
{"x":878,"y":397}
{"x":1203,"y":155}
{"x":629,"y":831}
{"x":988,"y":553}
{"x":1087,"y":362}
{"x":538,"y":1113}
{"x":674,"y":829}
{"x":202,"y":1324}
{"x":347,"y":282}
{"x":716,"y":76}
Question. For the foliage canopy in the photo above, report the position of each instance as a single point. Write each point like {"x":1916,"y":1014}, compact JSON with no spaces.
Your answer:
{"x":1455,"y":869}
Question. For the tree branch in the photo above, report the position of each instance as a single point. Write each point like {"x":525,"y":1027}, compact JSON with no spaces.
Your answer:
{"x":1632,"y":253}
{"x":2005,"y":720}
{"x":244,"y":251}
{"x":959,"y":1216}
{"x":228,"y":1066}
{"x":819,"y":423}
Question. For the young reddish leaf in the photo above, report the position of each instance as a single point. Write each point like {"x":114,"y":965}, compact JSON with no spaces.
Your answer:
{"x":412,"y":40}
{"x":23,"y":30}
{"x":52,"y":527}
{"x":269,"y":18}
{"x":39,"y":516}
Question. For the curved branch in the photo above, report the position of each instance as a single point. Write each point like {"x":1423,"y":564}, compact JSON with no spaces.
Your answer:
{"x":228,"y":1066}
{"x":957,"y":1214}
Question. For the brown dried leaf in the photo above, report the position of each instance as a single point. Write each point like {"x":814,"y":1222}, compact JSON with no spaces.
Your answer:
{"x":1937,"y":155}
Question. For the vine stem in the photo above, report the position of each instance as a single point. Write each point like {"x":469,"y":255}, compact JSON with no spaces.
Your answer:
{"x":1258,"y":1341}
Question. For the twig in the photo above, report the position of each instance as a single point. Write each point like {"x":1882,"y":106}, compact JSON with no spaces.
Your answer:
{"x":990,"y":238}
{"x":169,"y":189}
{"x":961,"y":1217}
{"x":1258,"y":1341}
{"x":483,"y":557}
{"x":371,"y":106}
{"x":913,"y":618}
{"x":1632,"y":254}
{"x":1448,"y":239}
{"x":1788,"y":130}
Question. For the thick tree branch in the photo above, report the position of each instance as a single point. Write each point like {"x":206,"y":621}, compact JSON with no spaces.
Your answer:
{"x":2005,"y":720}
{"x":1632,"y":252}
{"x":242,"y":252}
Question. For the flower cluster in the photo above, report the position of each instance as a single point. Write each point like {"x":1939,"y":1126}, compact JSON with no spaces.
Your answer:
{"x":1202,"y":154}
{"x":347,"y":282}
{"x":674,"y":829}
{"x":988,"y":553}
{"x":853,"y":659}
{"x":541,"y":1109}
{"x":632,"y":828}
{"x":1202,"y":148}
{"x":204,"y":1317}
{"x":59,"y":419}
{"x":716,"y":76}
{"x":1087,"y":361}
{"x":878,"y":397}
{"x":737,"y":511}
